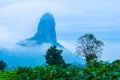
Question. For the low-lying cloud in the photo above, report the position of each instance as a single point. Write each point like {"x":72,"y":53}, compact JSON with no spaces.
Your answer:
{"x":19,"y":20}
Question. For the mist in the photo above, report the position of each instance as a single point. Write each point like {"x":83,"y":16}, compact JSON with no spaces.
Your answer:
{"x":19,"y":21}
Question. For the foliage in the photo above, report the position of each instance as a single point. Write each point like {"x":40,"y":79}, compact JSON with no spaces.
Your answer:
{"x":89,"y":47}
{"x":44,"y":73}
{"x":92,"y":57}
{"x":3,"y":65}
{"x":93,"y":71}
{"x":22,"y":70}
{"x":53,"y":56}
{"x":102,"y":70}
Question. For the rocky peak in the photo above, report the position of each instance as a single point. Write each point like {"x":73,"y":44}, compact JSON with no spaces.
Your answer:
{"x":46,"y":32}
{"x":46,"y":28}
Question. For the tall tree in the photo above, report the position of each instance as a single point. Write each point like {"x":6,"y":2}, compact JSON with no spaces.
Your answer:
{"x":3,"y":65}
{"x":89,"y":47}
{"x":53,"y":56}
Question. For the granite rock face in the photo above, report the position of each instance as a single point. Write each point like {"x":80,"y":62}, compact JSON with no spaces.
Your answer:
{"x":46,"y":32}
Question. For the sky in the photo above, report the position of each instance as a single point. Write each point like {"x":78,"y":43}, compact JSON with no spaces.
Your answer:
{"x":19,"y":20}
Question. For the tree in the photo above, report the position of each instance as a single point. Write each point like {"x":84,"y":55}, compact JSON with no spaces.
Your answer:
{"x":89,"y":47}
{"x":3,"y":65}
{"x":53,"y":56}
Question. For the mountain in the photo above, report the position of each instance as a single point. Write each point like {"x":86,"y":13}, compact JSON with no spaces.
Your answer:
{"x":30,"y":52}
{"x":45,"y":33}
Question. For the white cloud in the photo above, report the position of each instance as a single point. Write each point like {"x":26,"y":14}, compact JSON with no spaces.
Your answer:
{"x":6,"y":37}
{"x":111,"y":51}
{"x":67,"y":45}
{"x":22,"y":18}
{"x":19,"y":19}
{"x":4,"y":34}
{"x":84,"y":15}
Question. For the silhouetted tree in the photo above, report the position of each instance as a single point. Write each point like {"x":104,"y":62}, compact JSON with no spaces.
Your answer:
{"x":3,"y":65}
{"x":53,"y":56}
{"x":89,"y":47}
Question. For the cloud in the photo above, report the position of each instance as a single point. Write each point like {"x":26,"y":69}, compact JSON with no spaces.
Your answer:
{"x":68,"y":45}
{"x":5,"y":34}
{"x":111,"y":51}
{"x":23,"y":18}
{"x":89,"y":16}
{"x":19,"y":19}
{"x":7,"y":38}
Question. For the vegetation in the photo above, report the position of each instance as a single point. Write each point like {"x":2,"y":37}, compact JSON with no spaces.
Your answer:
{"x":3,"y":65}
{"x":53,"y":56}
{"x":22,"y":70}
{"x":94,"y":71}
{"x":89,"y":47}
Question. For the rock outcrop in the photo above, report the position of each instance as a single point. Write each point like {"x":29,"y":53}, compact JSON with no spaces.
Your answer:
{"x":46,"y":32}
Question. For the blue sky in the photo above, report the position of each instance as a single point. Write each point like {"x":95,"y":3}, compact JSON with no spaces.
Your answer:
{"x":19,"y":20}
